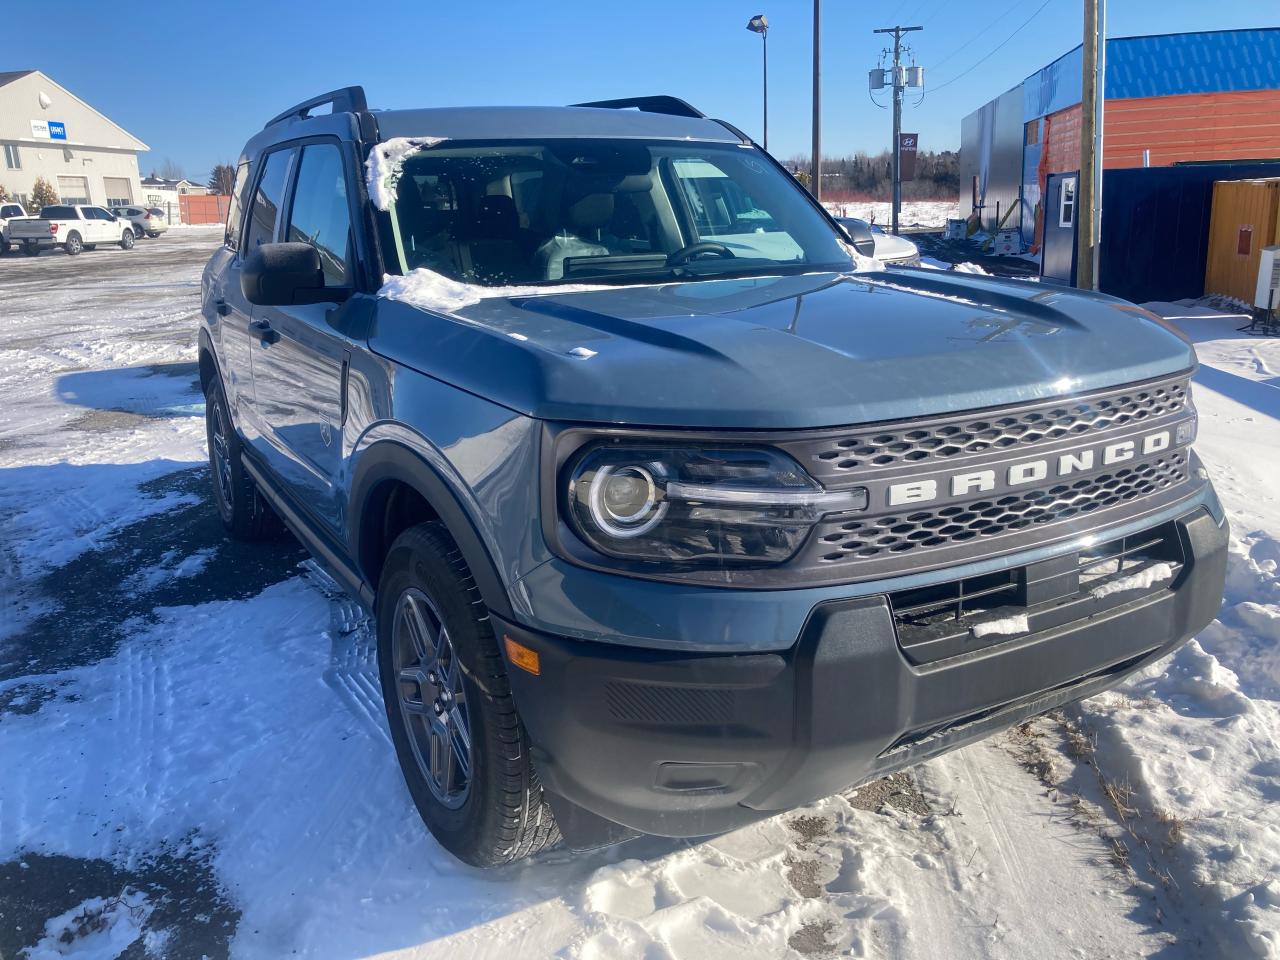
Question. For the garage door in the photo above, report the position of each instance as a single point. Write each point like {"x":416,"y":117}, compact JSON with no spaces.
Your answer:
{"x":73,"y":190}
{"x":119,"y":191}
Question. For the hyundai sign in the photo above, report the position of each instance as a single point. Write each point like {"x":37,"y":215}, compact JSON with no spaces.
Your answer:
{"x":49,"y":129}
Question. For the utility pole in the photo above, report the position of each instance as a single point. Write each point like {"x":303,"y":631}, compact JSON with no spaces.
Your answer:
{"x":1093,"y":96}
{"x":899,"y":84}
{"x":817,"y":100}
{"x":760,"y":24}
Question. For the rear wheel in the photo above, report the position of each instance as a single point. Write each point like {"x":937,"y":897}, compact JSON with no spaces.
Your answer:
{"x":461,"y":746}
{"x":126,"y":240}
{"x":244,"y":513}
{"x":73,"y":244}
{"x":5,"y":245}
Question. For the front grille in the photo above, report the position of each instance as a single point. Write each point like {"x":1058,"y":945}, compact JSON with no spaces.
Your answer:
{"x":867,"y":539}
{"x":832,"y":458}
{"x":948,"y":619}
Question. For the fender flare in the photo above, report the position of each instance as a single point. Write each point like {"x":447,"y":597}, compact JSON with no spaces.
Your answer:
{"x":391,"y":459}
{"x":205,"y":345}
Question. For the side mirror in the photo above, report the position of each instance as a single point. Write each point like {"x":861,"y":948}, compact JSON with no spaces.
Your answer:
{"x":283,"y":274}
{"x":859,"y":234}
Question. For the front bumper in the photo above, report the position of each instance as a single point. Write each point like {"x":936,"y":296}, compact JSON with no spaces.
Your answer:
{"x":691,"y":744}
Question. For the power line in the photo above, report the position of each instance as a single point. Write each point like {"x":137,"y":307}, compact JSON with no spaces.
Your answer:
{"x":980,"y":34}
{"x":996,"y":50}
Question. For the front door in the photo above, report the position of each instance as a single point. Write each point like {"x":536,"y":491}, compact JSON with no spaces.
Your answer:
{"x":1058,"y":256}
{"x":300,"y":353}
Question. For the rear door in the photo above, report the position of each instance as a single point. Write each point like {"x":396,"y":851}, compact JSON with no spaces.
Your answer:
{"x":260,"y":209}
{"x":301,"y":353}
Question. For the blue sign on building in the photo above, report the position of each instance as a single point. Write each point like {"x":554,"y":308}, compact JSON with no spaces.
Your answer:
{"x":57,"y":130}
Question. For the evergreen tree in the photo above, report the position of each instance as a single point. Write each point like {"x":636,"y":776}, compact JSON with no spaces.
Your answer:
{"x":42,"y":194}
{"x":221,"y":179}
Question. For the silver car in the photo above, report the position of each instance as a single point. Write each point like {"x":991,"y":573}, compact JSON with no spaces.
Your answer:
{"x":147,"y":221}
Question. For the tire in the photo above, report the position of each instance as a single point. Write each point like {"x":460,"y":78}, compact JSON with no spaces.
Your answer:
{"x":5,"y":246}
{"x":496,"y":811}
{"x":126,"y":240}
{"x":73,"y":244}
{"x":31,"y":248}
{"x":138,"y":232}
{"x":243,"y":512}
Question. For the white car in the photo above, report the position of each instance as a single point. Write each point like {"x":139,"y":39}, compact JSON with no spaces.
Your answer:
{"x":74,"y":228}
{"x":9,"y":210}
{"x":890,"y":249}
{"x":147,"y":221}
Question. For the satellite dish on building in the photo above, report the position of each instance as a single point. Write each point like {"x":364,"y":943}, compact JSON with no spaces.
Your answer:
{"x":44,"y":100}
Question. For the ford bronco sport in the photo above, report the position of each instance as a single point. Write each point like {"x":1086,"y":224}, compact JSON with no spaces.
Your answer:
{"x":669,"y":511}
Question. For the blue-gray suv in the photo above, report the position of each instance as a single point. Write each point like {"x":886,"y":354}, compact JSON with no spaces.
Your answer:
{"x":672,"y":509}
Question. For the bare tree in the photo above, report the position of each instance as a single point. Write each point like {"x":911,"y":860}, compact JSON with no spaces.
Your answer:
{"x":171,"y":169}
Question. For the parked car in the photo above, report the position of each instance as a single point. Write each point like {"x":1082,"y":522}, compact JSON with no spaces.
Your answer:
{"x":147,"y":221}
{"x":9,"y":211}
{"x":74,"y":228}
{"x":668,"y":518}
{"x":889,"y":248}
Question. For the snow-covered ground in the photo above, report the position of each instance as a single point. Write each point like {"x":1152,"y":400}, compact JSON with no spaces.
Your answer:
{"x":193,"y":760}
{"x":914,"y":213}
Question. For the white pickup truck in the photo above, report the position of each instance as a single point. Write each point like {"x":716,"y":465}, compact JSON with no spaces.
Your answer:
{"x":9,"y":210}
{"x":72,"y":228}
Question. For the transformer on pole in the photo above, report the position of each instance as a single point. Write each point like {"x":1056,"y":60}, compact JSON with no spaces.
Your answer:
{"x":900,"y":79}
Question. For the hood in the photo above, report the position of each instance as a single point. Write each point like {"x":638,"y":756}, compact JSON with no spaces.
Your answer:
{"x":782,"y":352}
{"x":890,"y":247}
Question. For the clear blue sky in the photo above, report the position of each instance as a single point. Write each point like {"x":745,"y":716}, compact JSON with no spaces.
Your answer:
{"x":217,"y":71}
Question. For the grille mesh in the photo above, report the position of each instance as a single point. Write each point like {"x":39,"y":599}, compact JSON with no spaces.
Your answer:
{"x":921,"y":442}
{"x":868,"y":538}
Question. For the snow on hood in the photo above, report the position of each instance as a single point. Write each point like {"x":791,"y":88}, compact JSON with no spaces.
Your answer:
{"x":429,"y":290}
{"x":382,"y":169}
{"x":433,"y":291}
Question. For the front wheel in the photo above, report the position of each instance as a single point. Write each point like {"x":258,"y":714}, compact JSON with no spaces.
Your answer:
{"x":462,"y":749}
{"x":73,"y":244}
{"x":243,"y":512}
{"x":126,"y":240}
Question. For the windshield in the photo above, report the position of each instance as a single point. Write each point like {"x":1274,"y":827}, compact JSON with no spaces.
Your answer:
{"x":599,"y":211}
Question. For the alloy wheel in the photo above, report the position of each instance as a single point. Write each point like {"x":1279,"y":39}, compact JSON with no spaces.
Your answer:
{"x":432,"y":699}
{"x":222,"y":452}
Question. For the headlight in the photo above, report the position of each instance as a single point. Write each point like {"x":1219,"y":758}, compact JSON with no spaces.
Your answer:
{"x":736,"y":506}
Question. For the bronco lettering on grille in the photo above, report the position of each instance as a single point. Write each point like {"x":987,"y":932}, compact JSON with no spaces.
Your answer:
{"x":1025,"y":472}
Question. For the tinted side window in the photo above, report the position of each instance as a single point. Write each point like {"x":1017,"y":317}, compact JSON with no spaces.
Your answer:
{"x":266,"y":201}
{"x":320,"y":215}
{"x":235,"y":209}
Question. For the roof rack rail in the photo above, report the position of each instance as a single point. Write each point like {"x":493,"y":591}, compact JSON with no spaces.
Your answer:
{"x":672,"y":106}
{"x":344,"y":100}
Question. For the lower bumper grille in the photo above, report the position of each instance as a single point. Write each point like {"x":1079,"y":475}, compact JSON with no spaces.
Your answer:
{"x":950,"y":619}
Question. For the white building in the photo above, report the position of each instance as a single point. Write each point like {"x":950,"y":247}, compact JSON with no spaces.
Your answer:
{"x":47,"y":131}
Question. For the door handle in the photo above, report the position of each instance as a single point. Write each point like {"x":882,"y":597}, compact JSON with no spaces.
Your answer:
{"x":222,"y":307}
{"x":264,"y":331}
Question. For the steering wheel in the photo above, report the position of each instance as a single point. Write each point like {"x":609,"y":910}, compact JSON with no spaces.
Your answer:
{"x":685,"y":254}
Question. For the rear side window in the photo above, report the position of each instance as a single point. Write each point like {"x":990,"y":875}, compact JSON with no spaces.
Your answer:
{"x":320,"y":214}
{"x":235,"y":209}
{"x":265,"y":208}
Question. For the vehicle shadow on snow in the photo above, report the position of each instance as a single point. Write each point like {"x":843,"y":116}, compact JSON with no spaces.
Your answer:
{"x":1255,"y":394}
{"x":177,"y":557}
{"x":126,"y":397}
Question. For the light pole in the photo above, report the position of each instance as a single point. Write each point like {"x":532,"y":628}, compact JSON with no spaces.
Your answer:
{"x":760,"y":24}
